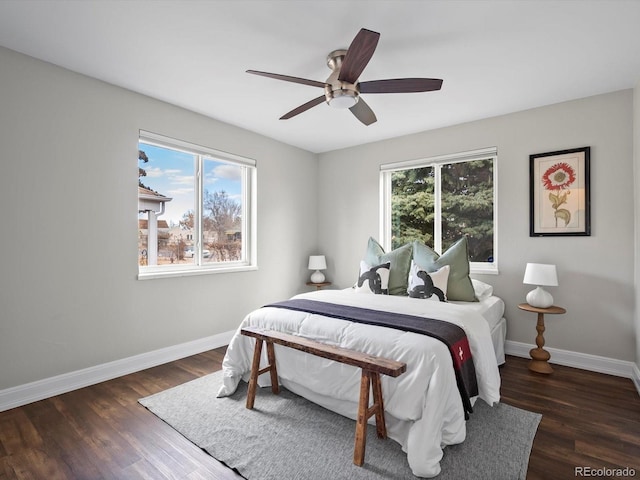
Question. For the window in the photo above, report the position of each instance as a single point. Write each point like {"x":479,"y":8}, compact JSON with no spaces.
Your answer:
{"x":438,"y":200}
{"x":196,"y":209}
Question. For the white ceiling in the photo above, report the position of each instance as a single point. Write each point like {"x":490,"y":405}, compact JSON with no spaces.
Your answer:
{"x":495,"y":57}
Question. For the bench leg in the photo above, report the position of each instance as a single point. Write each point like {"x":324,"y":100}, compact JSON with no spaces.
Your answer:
{"x":271,"y":356}
{"x":361,"y":425}
{"x":369,"y":380}
{"x":255,"y":371}
{"x":378,"y":405}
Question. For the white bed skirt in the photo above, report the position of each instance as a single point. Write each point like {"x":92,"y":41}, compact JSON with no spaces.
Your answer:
{"x":499,"y":337}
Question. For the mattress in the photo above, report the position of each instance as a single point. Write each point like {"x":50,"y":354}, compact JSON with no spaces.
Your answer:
{"x":492,"y":310}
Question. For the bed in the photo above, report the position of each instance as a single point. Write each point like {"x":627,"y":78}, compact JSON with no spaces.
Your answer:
{"x":423,"y":407}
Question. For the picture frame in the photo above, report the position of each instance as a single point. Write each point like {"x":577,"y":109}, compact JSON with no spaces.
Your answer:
{"x":559,"y":193}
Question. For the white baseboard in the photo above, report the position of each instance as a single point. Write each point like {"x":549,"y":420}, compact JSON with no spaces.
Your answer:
{"x":585,"y":361}
{"x":636,"y":377}
{"x":49,"y":387}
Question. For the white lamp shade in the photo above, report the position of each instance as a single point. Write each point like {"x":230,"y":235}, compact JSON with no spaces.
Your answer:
{"x":540,"y":274}
{"x":317,"y":262}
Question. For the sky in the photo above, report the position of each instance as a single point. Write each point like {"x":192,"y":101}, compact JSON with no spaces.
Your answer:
{"x":171,"y":173}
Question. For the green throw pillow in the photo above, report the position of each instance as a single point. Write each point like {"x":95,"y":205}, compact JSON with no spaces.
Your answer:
{"x":459,"y":287}
{"x":400,"y":260}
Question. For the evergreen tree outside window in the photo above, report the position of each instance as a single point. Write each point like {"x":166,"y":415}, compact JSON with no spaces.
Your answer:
{"x":439,"y":200}
{"x":196,"y":209}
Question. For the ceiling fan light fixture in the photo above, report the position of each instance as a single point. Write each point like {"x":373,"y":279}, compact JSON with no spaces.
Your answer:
{"x":343,"y":99}
{"x":341,"y":95}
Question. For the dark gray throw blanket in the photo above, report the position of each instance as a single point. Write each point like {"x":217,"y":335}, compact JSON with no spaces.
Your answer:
{"x":453,"y":336}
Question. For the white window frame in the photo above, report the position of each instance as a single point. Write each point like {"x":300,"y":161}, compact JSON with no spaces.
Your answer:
{"x":386,"y":171}
{"x":249,"y":209}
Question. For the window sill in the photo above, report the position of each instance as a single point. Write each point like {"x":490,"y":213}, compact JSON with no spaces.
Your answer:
{"x":483,"y":269}
{"x":150,"y":274}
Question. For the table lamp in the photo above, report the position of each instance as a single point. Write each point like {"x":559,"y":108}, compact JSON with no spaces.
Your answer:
{"x":317,"y":263}
{"x":540,"y":274}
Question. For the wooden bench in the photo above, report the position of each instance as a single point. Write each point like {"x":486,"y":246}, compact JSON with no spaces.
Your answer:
{"x":372,"y":367}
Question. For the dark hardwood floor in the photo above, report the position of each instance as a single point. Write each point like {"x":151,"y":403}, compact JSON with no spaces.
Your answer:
{"x":588,"y":419}
{"x":101,"y":432}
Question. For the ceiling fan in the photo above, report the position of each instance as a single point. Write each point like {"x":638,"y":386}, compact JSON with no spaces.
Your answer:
{"x":342,"y":89}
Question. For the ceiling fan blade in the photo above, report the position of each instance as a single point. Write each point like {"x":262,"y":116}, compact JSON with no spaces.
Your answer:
{"x":363,"y":112}
{"x":358,"y":55}
{"x":303,"y":108}
{"x":401,"y":85}
{"x":288,"y":78}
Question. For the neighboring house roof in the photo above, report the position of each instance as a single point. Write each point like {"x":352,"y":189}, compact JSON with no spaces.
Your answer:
{"x":150,"y":194}
{"x":150,"y":200}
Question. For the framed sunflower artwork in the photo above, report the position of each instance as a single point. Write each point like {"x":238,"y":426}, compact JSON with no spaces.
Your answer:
{"x":559,"y":193}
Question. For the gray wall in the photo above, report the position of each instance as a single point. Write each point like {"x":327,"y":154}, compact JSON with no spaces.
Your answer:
{"x":596,"y":273}
{"x":69,"y":297}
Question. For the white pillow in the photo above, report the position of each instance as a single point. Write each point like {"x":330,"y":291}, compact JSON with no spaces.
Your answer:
{"x":418,"y":288}
{"x":481,"y":289}
{"x":373,"y":279}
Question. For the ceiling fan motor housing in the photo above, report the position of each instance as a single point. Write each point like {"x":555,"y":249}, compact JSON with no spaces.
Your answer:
{"x":339,"y":94}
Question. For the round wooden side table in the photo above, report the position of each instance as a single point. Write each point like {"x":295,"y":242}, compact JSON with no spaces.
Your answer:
{"x":539,"y":356}
{"x":318,"y":286}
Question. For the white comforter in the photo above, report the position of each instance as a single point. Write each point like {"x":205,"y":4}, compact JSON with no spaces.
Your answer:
{"x":423,"y":408}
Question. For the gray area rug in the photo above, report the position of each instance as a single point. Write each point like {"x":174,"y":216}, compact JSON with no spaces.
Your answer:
{"x":286,"y":437}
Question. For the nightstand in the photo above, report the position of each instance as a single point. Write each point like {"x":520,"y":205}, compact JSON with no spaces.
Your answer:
{"x":319,"y":286}
{"x":539,"y":356}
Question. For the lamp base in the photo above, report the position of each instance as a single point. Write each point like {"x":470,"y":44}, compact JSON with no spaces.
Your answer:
{"x":539,"y":298}
{"x":317,"y":277}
